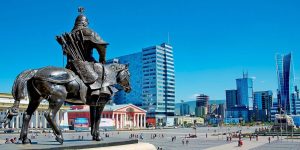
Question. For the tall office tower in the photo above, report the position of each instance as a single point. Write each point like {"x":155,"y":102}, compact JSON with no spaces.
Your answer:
{"x":231,"y":99}
{"x":201,"y":105}
{"x":152,"y":79}
{"x":159,"y":82}
{"x":184,"y":109}
{"x":262,"y":105}
{"x":245,"y":92}
{"x":286,"y":92}
{"x":221,"y":110}
{"x":136,"y":74}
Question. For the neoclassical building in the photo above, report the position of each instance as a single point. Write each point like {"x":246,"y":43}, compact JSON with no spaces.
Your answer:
{"x":126,"y":116}
{"x":37,"y":120}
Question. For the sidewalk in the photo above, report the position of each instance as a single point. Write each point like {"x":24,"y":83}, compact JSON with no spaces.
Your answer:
{"x":247,"y":144}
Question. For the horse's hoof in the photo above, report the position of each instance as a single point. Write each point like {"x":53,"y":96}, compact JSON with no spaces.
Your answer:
{"x":97,"y":138}
{"x":60,"y":140}
{"x":26,"y":141}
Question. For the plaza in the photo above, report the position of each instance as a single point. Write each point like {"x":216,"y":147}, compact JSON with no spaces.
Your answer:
{"x":215,"y":140}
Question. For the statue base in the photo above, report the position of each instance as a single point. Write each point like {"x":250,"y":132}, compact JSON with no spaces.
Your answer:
{"x":107,"y":143}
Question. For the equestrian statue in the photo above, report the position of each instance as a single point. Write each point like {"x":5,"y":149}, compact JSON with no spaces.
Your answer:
{"x":84,"y":81}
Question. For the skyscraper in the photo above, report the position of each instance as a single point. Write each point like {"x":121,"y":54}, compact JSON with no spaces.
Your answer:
{"x":231,"y":99}
{"x":262,"y":105}
{"x":153,"y":83}
{"x":287,"y":98}
{"x":239,"y":103}
{"x":184,"y":109}
{"x":159,"y":82}
{"x":245,"y":92}
{"x":201,"y":105}
{"x":135,"y":68}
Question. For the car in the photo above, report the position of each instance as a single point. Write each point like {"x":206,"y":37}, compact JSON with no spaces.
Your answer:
{"x":9,"y":131}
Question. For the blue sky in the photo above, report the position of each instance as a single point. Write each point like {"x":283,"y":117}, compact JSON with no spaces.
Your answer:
{"x":214,"y":41}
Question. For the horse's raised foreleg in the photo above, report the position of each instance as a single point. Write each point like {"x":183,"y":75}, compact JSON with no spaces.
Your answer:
{"x":32,"y":106}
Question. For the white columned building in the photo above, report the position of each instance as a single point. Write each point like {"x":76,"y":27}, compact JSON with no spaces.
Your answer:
{"x":38,"y":121}
{"x":125,"y":116}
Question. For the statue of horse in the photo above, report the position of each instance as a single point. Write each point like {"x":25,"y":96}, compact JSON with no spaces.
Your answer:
{"x":60,"y":85}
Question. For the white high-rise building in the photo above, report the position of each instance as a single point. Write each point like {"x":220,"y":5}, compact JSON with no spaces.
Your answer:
{"x":159,"y":83}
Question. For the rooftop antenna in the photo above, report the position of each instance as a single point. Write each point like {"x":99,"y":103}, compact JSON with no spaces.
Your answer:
{"x":168,"y":38}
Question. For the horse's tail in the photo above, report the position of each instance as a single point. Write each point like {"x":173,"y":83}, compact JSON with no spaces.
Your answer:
{"x":19,"y":92}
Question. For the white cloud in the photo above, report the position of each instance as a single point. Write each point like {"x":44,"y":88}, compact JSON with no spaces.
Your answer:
{"x":193,"y":96}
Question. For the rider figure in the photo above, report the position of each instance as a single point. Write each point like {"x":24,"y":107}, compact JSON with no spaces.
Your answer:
{"x":90,"y":40}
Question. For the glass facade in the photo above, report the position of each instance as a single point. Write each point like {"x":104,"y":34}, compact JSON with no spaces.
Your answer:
{"x":286,"y":92}
{"x":159,"y":81}
{"x":231,"y":99}
{"x":262,"y":105}
{"x":245,"y":92}
{"x":136,"y":74}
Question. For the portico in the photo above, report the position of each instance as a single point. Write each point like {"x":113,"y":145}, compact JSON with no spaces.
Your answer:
{"x":125,"y":116}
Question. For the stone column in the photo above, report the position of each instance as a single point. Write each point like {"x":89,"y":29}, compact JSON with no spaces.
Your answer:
{"x":138,"y":121}
{"x":45,"y":122}
{"x":122,"y":121}
{"x":125,"y":119}
{"x":17,"y":120}
{"x":31,"y":123}
{"x":13,"y":123}
{"x":144,"y":120}
{"x":36,"y":119}
{"x":134,"y":120}
{"x":117,"y":121}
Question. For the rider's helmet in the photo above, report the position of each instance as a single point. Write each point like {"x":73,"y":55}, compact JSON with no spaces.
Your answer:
{"x":81,"y":20}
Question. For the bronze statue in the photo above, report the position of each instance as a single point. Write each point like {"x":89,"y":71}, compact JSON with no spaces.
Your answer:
{"x":84,"y":81}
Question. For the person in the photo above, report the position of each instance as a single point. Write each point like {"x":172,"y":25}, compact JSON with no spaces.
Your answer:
{"x":250,"y":136}
{"x":206,"y":135}
{"x":269,"y":139}
{"x":240,"y":142}
{"x":182,"y":141}
{"x":7,"y":141}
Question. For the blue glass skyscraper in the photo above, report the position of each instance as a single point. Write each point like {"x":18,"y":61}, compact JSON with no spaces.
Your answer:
{"x":136,"y":72}
{"x":245,"y":92}
{"x":286,"y":92}
{"x":262,"y":105}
